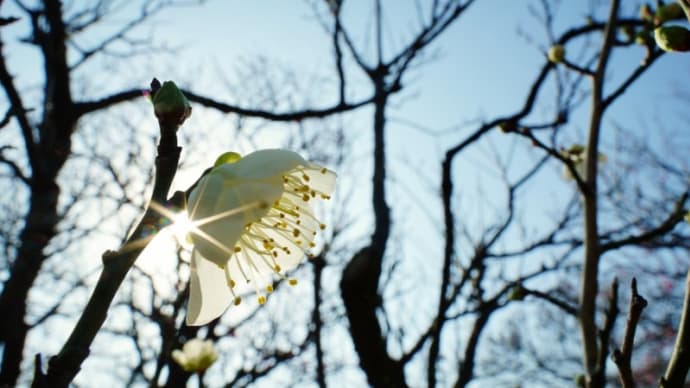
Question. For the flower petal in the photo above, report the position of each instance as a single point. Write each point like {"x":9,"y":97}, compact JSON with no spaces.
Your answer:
{"x":264,"y":164}
{"x":221,"y":210}
{"x":179,"y":357}
{"x":209,"y":294}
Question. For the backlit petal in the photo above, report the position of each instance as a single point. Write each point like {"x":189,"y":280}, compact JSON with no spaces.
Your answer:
{"x":266,"y":163}
{"x":209,"y":294}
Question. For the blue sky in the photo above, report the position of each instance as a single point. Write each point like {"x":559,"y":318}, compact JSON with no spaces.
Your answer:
{"x":483,"y":69}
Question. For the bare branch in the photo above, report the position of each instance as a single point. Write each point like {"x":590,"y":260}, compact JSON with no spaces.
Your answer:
{"x":678,"y":366}
{"x":589,"y":284}
{"x":623,"y":355}
{"x":673,"y":218}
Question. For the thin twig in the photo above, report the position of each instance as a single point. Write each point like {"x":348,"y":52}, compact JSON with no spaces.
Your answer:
{"x":679,"y":364}
{"x":623,"y":355}
{"x":609,"y":322}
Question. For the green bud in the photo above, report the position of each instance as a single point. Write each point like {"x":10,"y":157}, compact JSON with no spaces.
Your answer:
{"x":169,"y":103}
{"x":672,"y":11}
{"x":580,"y":380}
{"x":227,"y":157}
{"x":575,"y":150}
{"x":517,"y":293}
{"x":556,"y":53}
{"x":507,"y":126}
{"x":672,"y":38}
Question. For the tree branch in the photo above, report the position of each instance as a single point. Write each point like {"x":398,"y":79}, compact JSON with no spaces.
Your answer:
{"x":64,"y":366}
{"x":662,"y":229}
{"x":590,"y":271}
{"x":623,"y":355}
{"x":678,"y":366}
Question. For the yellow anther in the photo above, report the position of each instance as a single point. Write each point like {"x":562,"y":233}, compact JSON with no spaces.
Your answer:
{"x":305,"y":177}
{"x":237,"y":300}
{"x":237,"y":249}
{"x":295,"y":232}
{"x":293,"y":282}
{"x":305,"y":197}
{"x":324,"y":170}
{"x":311,"y":244}
{"x":231,"y":283}
{"x":262,"y":299}
{"x":277,"y":268}
{"x":269,"y":288}
{"x":322,"y":226}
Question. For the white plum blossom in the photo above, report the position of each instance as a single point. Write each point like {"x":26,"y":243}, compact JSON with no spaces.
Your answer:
{"x":578,"y":156}
{"x":253,"y":222}
{"x":196,"y":355}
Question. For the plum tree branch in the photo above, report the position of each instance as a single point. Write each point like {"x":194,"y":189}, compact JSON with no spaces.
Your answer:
{"x":623,"y":355}
{"x":592,"y":253}
{"x":66,"y":364}
{"x":679,"y":364}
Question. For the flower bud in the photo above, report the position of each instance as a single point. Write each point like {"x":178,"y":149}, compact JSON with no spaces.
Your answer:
{"x":672,"y":38}
{"x":556,"y":53}
{"x":227,"y":157}
{"x":170,"y":104}
{"x":671,"y":11}
{"x":507,"y":126}
{"x":517,"y":293}
{"x":196,"y":355}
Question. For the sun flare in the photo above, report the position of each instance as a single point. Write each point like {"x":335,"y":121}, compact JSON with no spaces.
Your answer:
{"x":181,"y":227}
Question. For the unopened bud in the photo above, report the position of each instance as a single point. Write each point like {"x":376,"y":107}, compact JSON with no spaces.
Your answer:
{"x":170,"y":104}
{"x":556,"y":53}
{"x":671,"y":11}
{"x":227,"y":157}
{"x":672,"y":38}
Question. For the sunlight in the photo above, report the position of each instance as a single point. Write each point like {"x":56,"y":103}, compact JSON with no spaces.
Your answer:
{"x":181,"y":227}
